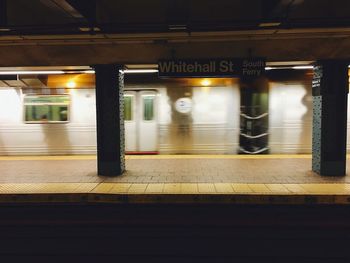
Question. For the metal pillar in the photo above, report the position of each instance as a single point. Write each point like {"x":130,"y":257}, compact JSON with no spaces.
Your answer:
{"x":329,"y":91}
{"x":110,"y":119}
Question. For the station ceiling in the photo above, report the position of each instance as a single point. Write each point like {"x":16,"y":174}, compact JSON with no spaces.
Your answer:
{"x":27,"y":17}
{"x":88,"y":32}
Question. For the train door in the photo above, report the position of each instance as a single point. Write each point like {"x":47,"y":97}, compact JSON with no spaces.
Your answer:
{"x":130,"y":121}
{"x":141,"y":126}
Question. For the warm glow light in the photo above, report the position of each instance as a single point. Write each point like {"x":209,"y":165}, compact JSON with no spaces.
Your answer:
{"x":205,"y":89}
{"x":71,"y":84}
{"x":205,"y":82}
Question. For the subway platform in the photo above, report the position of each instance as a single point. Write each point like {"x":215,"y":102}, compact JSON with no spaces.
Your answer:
{"x":233,"y":179}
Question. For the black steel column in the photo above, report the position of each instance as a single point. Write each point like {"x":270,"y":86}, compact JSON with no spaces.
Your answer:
{"x":110,"y":119}
{"x":329,"y":90}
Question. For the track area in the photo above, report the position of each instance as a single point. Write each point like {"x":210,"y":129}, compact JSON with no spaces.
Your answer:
{"x":176,"y":233}
{"x":77,"y":220}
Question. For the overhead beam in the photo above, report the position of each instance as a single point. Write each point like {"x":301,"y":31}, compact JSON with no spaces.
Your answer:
{"x":84,"y":11}
{"x":274,"y":9}
{"x":62,"y":6}
{"x":177,"y":15}
{"x":3,"y":13}
{"x":267,"y":8}
{"x":91,"y":53}
{"x":86,"y":8}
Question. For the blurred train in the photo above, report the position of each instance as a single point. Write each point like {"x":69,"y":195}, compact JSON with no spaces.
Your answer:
{"x":43,"y":116}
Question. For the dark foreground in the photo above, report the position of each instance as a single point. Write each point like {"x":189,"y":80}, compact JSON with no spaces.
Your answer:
{"x":174,"y":233}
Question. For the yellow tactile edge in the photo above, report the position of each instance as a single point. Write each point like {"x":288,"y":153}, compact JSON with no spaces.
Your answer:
{"x":234,"y":193}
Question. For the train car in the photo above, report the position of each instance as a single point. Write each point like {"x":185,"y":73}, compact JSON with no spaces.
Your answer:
{"x":162,"y":116}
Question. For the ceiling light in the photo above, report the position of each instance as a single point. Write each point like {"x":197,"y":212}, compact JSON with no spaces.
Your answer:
{"x":90,"y":71}
{"x":290,"y":67}
{"x":31,"y":72}
{"x":88,"y":29}
{"x":177,"y":27}
{"x":71,"y":84}
{"x":303,"y":67}
{"x":126,"y":71}
{"x":269,"y":24}
{"x":205,"y":82}
{"x":273,"y":68}
{"x":131,"y":71}
{"x":84,"y":29}
{"x":5,"y":29}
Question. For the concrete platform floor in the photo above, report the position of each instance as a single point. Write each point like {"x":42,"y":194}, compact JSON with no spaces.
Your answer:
{"x":166,"y":169}
{"x":268,"y":179}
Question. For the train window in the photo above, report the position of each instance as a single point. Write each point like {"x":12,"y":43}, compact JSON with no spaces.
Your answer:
{"x":128,"y":100}
{"x":46,"y":108}
{"x":148,"y":107}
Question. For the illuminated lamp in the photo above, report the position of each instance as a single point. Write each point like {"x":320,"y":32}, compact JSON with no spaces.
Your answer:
{"x":205,"y":82}
{"x":71,"y":84}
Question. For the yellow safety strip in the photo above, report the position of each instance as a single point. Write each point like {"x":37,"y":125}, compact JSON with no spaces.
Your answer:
{"x":336,"y":193}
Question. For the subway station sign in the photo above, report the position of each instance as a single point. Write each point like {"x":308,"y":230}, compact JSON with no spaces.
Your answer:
{"x":226,"y":67}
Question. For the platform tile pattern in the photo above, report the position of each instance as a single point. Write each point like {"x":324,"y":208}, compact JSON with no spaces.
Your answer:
{"x":174,"y":188}
{"x":171,"y":179}
{"x":267,"y":169}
